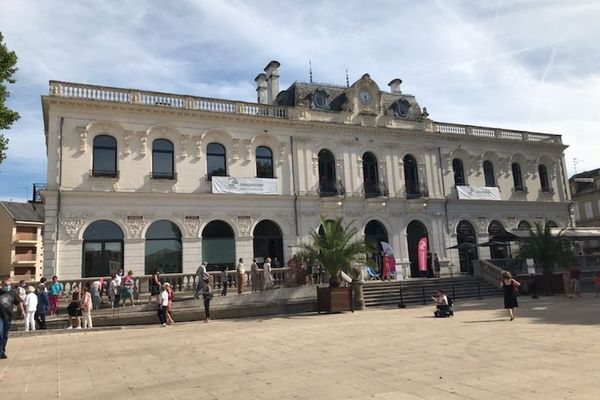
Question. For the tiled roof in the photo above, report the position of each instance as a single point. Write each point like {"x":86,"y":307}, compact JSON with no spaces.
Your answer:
{"x":26,"y":212}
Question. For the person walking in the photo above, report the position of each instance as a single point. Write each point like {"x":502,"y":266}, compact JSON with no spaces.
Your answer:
{"x":267,"y":277}
{"x":31,"y":303}
{"x":96,"y":292}
{"x":154,"y":287}
{"x":113,"y":291}
{"x":207,"y":296}
{"x":224,"y":281}
{"x":163,"y":303}
{"x":255,"y":276}
{"x":510,"y":287}
{"x":8,"y":299}
{"x":42,"y":307}
{"x":171,"y":295}
{"x":87,"y":304}
{"x":201,"y":276}
{"x":437,"y":268}
{"x":55,"y":289}
{"x":21,"y":292}
{"x":241,"y":274}
{"x":74,"y":309}
{"x":575,"y":275}
{"x":127,"y":288}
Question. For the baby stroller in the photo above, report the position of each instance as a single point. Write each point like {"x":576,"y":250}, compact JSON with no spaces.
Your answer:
{"x":445,"y":311}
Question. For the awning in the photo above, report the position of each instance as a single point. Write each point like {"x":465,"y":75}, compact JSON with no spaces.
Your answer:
{"x":575,"y":233}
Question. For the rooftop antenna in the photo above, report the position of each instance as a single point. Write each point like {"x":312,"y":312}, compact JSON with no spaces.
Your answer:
{"x":347,"y":80}
{"x":310,"y":71}
{"x":575,"y":162}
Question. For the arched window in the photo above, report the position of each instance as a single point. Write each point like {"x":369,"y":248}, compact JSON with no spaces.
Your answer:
{"x":459,"y":173}
{"x":218,"y":245}
{"x":524,"y":226}
{"x":411,"y":176}
{"x":267,"y":241}
{"x":163,"y":162}
{"x":517,"y":178}
{"x":499,"y":241}
{"x":415,"y":231}
{"x":488,"y":173}
{"x":327,"y":177}
{"x":264,"y":162}
{"x":375,"y":233}
{"x":216,"y":162}
{"x":163,"y":248}
{"x":466,"y":239}
{"x":544,"y":183}
{"x":370,"y":175}
{"x":551,"y":224}
{"x":105,"y":156}
{"x":102,"y":249}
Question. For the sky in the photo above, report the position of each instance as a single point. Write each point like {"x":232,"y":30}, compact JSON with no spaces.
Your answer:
{"x":520,"y":64}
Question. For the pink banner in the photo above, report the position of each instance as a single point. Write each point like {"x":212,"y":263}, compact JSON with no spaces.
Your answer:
{"x":422,"y":254}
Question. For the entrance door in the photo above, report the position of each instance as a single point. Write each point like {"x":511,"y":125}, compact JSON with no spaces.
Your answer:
{"x":465,"y":233}
{"x":414,"y":232}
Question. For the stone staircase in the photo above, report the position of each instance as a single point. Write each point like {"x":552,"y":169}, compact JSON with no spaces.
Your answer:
{"x":418,"y":291}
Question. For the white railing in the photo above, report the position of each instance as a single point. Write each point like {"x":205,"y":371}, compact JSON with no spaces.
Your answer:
{"x":488,"y":271}
{"x":105,"y":93}
{"x":131,"y":96}
{"x":481,"y":131}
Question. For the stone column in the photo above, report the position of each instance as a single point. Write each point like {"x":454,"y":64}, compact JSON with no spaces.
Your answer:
{"x":359,"y":300}
{"x":244,"y":248}
{"x":192,"y":254}
{"x":134,"y":256}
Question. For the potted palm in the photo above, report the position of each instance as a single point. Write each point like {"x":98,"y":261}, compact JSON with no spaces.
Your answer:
{"x":336,"y":248}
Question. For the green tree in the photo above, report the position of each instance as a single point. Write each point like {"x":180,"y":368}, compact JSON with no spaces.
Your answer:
{"x":8,"y":60}
{"x":335,"y":248}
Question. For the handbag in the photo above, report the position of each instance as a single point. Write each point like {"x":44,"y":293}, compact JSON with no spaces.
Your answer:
{"x":515,"y":289}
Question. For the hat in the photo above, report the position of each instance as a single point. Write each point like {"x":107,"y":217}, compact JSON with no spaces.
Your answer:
{"x":167,"y":284}
{"x":30,"y":289}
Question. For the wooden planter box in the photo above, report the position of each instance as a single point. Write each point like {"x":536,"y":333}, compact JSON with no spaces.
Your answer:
{"x":333,"y":300}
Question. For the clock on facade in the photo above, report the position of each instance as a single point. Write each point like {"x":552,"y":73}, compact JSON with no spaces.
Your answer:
{"x":365,"y":97}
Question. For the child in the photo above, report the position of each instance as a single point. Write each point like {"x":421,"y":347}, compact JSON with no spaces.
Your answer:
{"x":31,"y":302}
{"x":74,"y":309}
{"x":597,"y":283}
{"x":207,"y":295}
{"x":86,"y":308}
{"x":224,"y":281}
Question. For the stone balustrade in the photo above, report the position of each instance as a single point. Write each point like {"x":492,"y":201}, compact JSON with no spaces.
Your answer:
{"x":488,"y":271}
{"x":495,"y":133}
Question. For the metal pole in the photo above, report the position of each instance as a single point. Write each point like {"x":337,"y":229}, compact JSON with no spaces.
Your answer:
{"x":479,"y":290}
{"x":423,"y":288}
{"x":401,"y":305}
{"x":453,"y":293}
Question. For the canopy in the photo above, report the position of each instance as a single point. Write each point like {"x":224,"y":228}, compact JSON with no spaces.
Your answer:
{"x":463,"y":246}
{"x":575,"y":233}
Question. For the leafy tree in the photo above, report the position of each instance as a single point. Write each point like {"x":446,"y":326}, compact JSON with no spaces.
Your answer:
{"x":335,"y":248}
{"x":8,"y":60}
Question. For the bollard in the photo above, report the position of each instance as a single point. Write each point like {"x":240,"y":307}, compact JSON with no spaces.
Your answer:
{"x":453,"y":294}
{"x":479,"y":290}
{"x":401,"y":305}
{"x":424,"y":302}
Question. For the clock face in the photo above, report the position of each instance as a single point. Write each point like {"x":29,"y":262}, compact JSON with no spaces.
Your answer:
{"x":365,"y":97}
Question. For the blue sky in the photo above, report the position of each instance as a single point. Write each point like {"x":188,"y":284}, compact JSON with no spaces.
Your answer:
{"x":521,"y":64}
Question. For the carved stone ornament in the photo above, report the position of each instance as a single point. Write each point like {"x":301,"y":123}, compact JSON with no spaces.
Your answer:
{"x":482,"y":224}
{"x":282,"y":149}
{"x":135,"y":224}
{"x":244,"y":224}
{"x":183,"y":141}
{"x":198,"y":145}
{"x":359,"y":168}
{"x":511,"y":222}
{"x":452,"y":222}
{"x":72,"y":224}
{"x":192,"y":224}
{"x":248,"y":150}
{"x":83,"y":134}
{"x":127,"y":142}
{"x":235,"y":143}
{"x":143,"y":141}
{"x":315,"y":165}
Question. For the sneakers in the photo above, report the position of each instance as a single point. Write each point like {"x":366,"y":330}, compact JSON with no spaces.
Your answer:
{"x":3,"y":356}
{"x":78,"y":327}
{"x":163,"y":325}
{"x":70,"y":327}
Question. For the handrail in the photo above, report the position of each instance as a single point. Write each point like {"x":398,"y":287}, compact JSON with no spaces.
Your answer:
{"x":488,"y":271}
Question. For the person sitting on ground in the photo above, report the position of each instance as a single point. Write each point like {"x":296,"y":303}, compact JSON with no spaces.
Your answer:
{"x":441,"y":304}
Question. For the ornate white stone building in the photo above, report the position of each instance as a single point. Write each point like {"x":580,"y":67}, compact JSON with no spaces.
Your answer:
{"x":129,"y":176}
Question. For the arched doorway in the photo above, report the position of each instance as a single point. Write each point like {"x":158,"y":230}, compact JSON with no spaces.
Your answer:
{"x":500,"y":241}
{"x":375,"y":233}
{"x":267,"y":241}
{"x":102,"y":249}
{"x":163,"y":248}
{"x":467,"y":242}
{"x":414,"y":232}
{"x":218,"y":245}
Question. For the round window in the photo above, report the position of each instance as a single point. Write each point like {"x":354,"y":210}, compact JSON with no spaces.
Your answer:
{"x":319,"y":99}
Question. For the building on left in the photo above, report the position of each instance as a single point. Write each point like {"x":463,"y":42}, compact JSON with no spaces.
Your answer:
{"x":21,"y":248}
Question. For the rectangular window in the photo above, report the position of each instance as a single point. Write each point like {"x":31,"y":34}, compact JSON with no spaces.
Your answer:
{"x":576,"y":212}
{"x":588,"y":210}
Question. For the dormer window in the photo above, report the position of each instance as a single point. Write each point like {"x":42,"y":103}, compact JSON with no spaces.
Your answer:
{"x":401,"y":108}
{"x":319,"y":99}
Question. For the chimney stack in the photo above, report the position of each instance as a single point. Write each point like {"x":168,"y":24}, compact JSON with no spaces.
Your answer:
{"x":395,"y":86}
{"x":272,"y":71}
{"x":261,"y":88}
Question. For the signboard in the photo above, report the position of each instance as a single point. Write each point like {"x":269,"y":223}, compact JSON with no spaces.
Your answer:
{"x":530,"y":266}
{"x":232,"y":185}
{"x":478,"y":193}
{"x":422,"y":254}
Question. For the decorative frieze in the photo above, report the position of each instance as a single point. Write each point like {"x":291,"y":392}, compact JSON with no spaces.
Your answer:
{"x":72,"y":224}
{"x":192,"y":224}
{"x":244,"y":224}
{"x":135,"y":224}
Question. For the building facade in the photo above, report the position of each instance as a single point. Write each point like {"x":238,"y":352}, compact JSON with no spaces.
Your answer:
{"x":585,"y":189}
{"x":21,"y":246}
{"x":145,"y":180}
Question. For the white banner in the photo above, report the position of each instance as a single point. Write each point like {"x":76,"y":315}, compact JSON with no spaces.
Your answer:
{"x":478,"y":193}
{"x":231,"y":185}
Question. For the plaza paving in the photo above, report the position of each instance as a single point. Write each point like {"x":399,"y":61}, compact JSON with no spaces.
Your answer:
{"x":552,"y":351}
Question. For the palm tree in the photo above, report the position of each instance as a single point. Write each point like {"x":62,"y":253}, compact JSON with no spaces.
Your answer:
{"x":335,"y":248}
{"x":546,"y":250}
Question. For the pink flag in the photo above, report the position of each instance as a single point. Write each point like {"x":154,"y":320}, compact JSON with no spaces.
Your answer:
{"x":422,"y":254}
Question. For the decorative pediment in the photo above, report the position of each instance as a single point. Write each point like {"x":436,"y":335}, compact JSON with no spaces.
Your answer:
{"x":366,"y":96}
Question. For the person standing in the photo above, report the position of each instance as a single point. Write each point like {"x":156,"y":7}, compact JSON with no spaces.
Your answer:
{"x":21,"y":291}
{"x":575,"y":275}
{"x":171,"y":296}
{"x":154,"y":286}
{"x":437,"y":268}
{"x":163,"y":303}
{"x":95,"y":290}
{"x":74,"y":309}
{"x":275,"y":263}
{"x":127,"y":288}
{"x":31,"y":303}
{"x":224,"y":280}
{"x":56,"y":289}
{"x":42,"y":307}
{"x":201,"y":276}
{"x":255,"y":276}
{"x":429,"y":265}
{"x":267,"y":277}
{"x":510,"y":287}
{"x":207,"y":296}
{"x":113,"y":291}
{"x":87,"y":304}
{"x":8,"y":299}
{"x":241,"y":274}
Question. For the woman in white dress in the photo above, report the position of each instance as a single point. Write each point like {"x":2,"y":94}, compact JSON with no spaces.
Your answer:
{"x":267,"y":277}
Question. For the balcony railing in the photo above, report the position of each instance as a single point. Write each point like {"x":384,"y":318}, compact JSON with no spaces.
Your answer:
{"x":25,"y":236}
{"x":377,"y":189}
{"x":495,"y":133}
{"x":25,"y":257}
{"x":331,"y":188}
{"x":416,"y":191}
